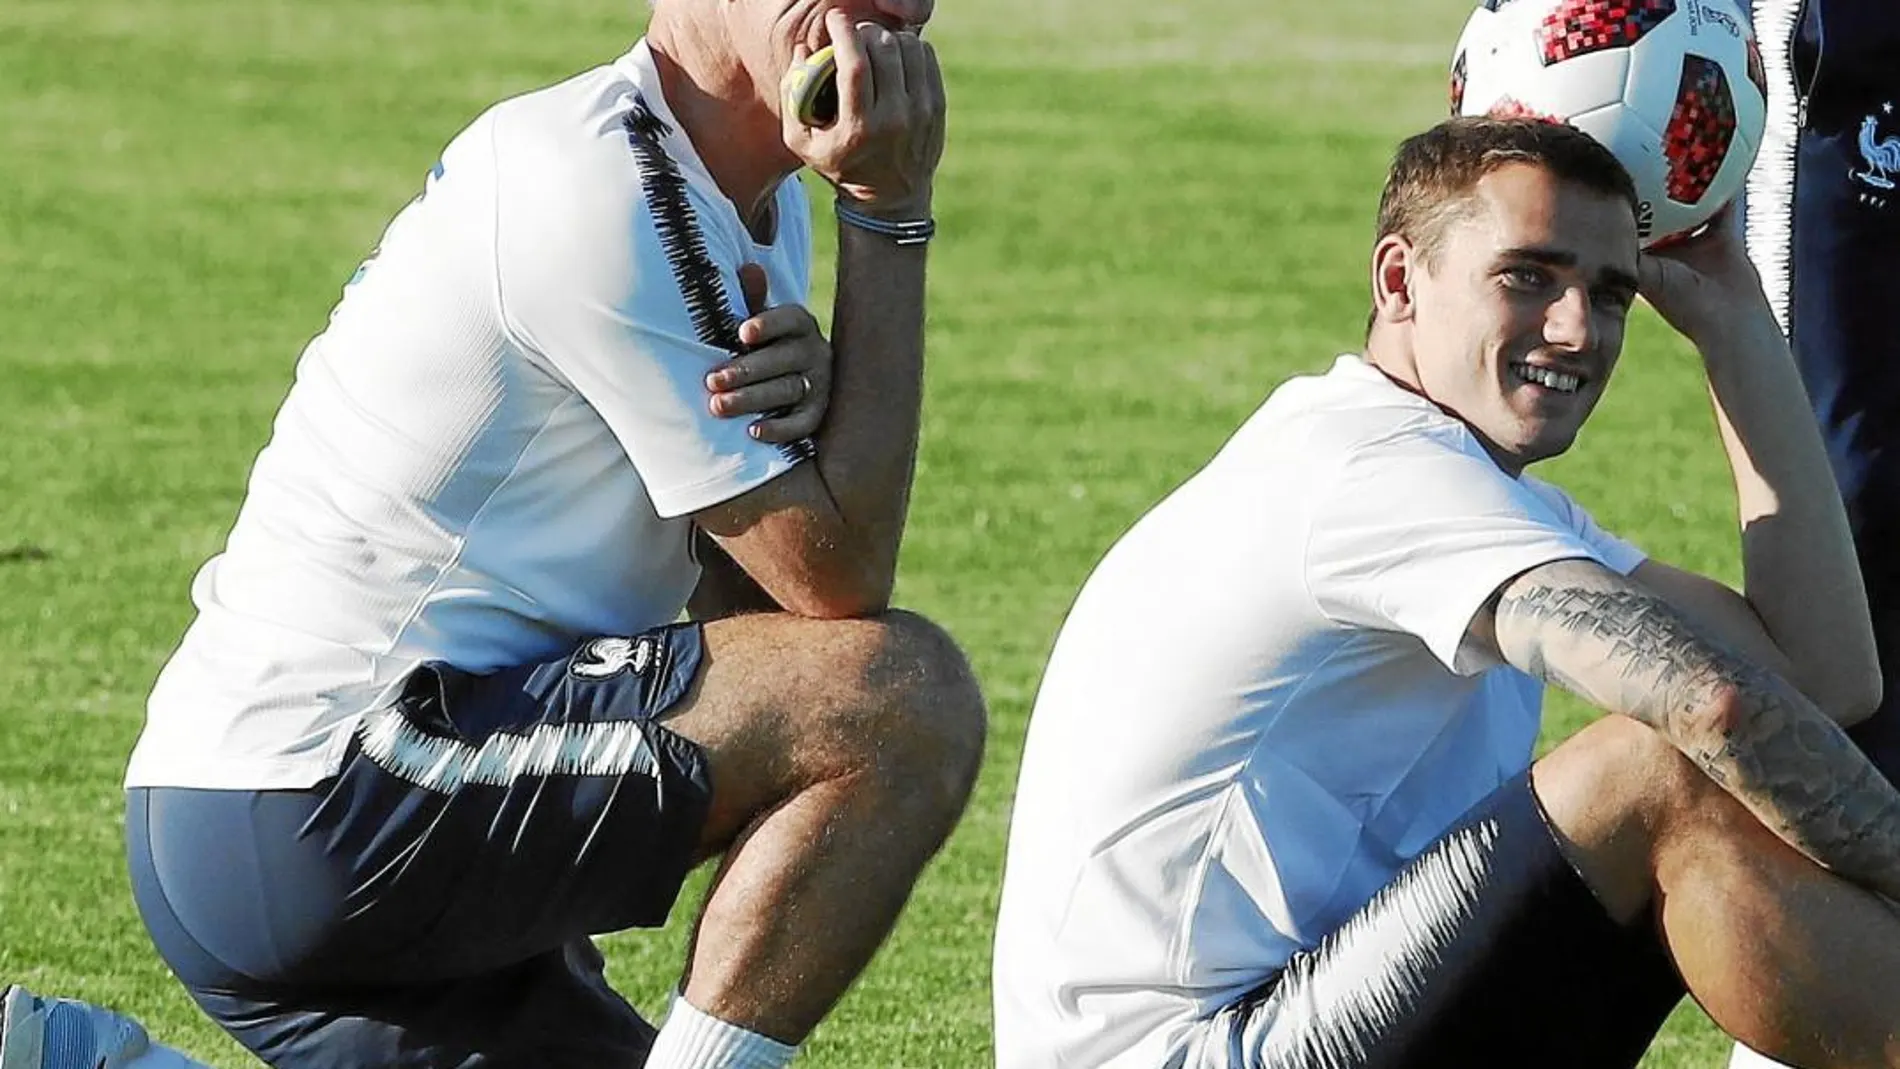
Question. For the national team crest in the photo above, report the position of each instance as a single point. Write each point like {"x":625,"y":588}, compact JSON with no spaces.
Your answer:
{"x":1882,"y":157}
{"x":605,"y":658}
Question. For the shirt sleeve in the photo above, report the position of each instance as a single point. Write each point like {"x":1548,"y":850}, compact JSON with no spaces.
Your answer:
{"x":1618,"y":555}
{"x":1418,"y":530}
{"x":619,"y":289}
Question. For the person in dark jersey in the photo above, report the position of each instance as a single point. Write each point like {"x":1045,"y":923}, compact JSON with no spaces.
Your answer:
{"x":1823,"y":219}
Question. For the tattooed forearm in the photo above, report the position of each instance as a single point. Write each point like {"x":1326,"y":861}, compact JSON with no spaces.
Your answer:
{"x":1622,"y":647}
{"x":1638,"y":635}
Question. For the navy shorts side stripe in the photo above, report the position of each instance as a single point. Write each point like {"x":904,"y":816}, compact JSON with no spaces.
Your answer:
{"x":445,"y":765}
{"x":432,"y":904}
{"x":1488,"y":949}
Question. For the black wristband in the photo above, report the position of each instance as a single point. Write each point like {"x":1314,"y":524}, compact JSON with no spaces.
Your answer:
{"x":902,"y":231}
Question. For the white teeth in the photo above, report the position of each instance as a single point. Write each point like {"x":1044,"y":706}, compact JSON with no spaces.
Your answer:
{"x":1550,"y":380}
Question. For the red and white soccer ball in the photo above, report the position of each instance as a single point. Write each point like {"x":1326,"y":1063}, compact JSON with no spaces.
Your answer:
{"x":1675,"y":88}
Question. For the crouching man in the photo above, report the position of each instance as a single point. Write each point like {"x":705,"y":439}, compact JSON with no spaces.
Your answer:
{"x":437,"y":722}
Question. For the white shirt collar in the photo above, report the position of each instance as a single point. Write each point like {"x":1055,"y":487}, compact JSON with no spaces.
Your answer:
{"x":638,"y":67}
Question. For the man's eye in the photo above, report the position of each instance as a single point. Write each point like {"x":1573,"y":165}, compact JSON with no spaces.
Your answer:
{"x":1525,"y":278}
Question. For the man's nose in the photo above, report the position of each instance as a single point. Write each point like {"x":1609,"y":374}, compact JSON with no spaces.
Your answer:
{"x":1568,"y":324}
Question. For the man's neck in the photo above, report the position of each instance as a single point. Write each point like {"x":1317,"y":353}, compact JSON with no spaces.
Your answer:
{"x":1392,"y":357}
{"x":718,"y":108}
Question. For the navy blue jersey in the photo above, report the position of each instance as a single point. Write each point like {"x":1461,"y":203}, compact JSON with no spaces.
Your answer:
{"x":1844,"y":53}
{"x":1824,"y":221}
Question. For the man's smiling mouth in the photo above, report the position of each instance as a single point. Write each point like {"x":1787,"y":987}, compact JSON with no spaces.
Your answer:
{"x":1560,"y":381}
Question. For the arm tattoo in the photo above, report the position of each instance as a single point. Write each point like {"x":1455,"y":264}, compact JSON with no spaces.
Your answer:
{"x":1616,"y":644}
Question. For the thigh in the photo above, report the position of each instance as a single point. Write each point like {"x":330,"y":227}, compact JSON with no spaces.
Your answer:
{"x":489,"y":818}
{"x":1488,"y":949}
{"x":551,"y":1011}
{"x":476,"y":822}
{"x":430,"y":905}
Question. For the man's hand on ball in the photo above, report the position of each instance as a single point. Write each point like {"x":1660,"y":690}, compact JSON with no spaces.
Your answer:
{"x":1705,"y":286}
{"x":882,"y":151}
{"x":784,"y":373}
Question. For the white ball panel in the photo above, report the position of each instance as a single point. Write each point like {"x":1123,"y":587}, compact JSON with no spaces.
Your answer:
{"x":1499,"y":62}
{"x":1579,"y":85}
{"x":1655,"y":73}
{"x":1476,"y":28}
{"x":1636,"y":146}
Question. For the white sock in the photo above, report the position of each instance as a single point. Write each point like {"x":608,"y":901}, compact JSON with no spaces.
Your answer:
{"x":691,"y":1039}
{"x":1743,"y":1058}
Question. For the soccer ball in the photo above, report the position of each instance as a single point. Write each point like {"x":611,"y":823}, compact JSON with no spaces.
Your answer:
{"x":1675,"y":88}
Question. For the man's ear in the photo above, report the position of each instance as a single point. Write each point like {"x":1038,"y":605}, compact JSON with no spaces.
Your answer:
{"x":1394,"y":260}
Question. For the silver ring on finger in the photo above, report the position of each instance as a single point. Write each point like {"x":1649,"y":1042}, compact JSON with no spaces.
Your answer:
{"x":804,"y":386}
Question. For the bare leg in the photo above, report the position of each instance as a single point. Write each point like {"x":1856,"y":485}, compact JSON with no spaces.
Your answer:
{"x":842,"y":754}
{"x":1785,"y":956}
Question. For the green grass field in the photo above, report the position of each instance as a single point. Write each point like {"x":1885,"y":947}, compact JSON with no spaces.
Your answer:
{"x":1152,"y":214}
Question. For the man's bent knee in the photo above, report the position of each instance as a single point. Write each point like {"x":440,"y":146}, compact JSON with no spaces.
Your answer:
{"x":786,"y":704}
{"x":1613,"y":793}
{"x":928,"y":713}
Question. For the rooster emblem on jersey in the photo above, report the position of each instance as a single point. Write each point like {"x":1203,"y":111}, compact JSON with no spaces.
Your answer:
{"x":1881,"y":154}
{"x":604,"y":658}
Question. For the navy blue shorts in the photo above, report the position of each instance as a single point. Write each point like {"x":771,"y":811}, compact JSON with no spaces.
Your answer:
{"x":1488,"y":949}
{"x":431,"y":905}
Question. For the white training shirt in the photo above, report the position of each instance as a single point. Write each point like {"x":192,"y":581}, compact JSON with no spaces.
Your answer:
{"x":491,"y":451}
{"x":1260,"y":707}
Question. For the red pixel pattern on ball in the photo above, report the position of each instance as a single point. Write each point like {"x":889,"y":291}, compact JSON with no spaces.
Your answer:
{"x":1579,"y":27}
{"x":1513,"y":108}
{"x":1700,"y":130}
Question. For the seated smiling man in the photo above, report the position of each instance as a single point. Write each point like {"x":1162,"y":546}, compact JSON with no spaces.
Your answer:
{"x":1278,"y":807}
